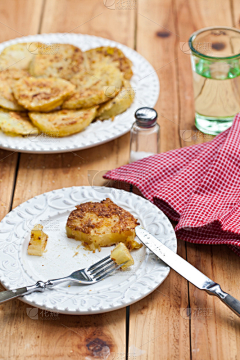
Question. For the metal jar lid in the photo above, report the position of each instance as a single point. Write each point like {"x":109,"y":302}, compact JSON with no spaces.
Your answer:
{"x":146,"y":117}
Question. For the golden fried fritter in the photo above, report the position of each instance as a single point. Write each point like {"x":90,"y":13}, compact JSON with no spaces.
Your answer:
{"x":42,"y":94}
{"x":63,"y":122}
{"x":94,"y":87}
{"x":112,"y":55}
{"x":64,"y":62}
{"x":16,"y":123}
{"x":8,"y":79}
{"x":18,"y":56}
{"x":103,"y":224}
{"x":117,"y":105}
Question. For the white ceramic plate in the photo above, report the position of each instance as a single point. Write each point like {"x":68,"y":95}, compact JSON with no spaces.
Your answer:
{"x":144,"y":82}
{"x":63,"y":255}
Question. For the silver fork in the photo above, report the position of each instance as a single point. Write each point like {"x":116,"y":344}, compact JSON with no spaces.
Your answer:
{"x":88,"y":276}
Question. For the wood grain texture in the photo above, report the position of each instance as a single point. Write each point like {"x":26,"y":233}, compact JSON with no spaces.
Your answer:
{"x":214,"y":328}
{"x":235,"y":10}
{"x":32,"y":333}
{"x":156,"y":329}
{"x":156,"y":39}
{"x":73,"y":16}
{"x":39,"y":334}
{"x":160,"y":328}
{"x":19,"y":18}
{"x":76,"y":337}
{"x":8,"y":163}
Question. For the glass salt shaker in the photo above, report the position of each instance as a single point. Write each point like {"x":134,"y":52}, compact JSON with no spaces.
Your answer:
{"x":144,"y":135}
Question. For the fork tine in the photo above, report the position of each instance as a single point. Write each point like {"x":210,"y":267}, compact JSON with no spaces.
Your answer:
{"x":100,"y":267}
{"x":109,"y":272}
{"x":98,"y":263}
{"x":103,"y":270}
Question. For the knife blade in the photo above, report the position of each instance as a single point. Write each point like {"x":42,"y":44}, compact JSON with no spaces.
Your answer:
{"x":173,"y":260}
{"x":185,"y":269}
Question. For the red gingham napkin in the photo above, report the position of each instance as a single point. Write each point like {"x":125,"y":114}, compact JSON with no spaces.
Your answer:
{"x":198,"y":186}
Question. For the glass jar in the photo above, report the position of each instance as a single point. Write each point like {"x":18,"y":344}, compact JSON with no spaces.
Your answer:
{"x":215,"y":58}
{"x":144,"y":135}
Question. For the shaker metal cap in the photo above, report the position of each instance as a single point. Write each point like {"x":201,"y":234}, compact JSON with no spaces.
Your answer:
{"x":146,"y":117}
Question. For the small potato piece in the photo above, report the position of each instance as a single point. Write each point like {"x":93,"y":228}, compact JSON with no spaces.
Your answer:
{"x":119,"y":104}
{"x":120,"y":254}
{"x":38,"y":241}
{"x":16,"y":123}
{"x":7,"y":80}
{"x":110,"y":55}
{"x":57,"y":60}
{"x":42,"y":94}
{"x":63,"y":122}
{"x":18,"y":56}
{"x":94,"y":87}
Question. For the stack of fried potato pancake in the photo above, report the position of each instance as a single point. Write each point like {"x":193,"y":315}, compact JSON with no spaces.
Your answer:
{"x":59,"y":90}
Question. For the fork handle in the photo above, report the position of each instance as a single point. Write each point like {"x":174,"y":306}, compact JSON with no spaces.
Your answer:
{"x":12,"y":294}
{"x":39,"y":286}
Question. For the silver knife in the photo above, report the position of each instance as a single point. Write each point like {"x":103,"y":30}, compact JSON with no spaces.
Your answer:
{"x":185,"y":269}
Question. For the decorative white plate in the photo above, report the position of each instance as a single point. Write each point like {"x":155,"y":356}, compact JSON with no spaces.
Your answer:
{"x":63,"y":255}
{"x":144,"y":82}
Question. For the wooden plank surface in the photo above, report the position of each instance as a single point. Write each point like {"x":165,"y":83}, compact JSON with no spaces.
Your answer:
{"x":156,"y":41}
{"x":235,"y":10}
{"x":214,"y":328}
{"x":159,"y":327}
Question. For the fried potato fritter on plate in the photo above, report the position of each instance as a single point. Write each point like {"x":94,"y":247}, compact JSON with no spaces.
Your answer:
{"x":109,"y":55}
{"x":63,"y":62}
{"x":16,"y":123}
{"x":63,"y":88}
{"x":42,"y":94}
{"x":18,"y":56}
{"x":100,"y":224}
{"x":95,"y":86}
{"x":63,"y":122}
{"x":119,"y":104}
{"x":7,"y":80}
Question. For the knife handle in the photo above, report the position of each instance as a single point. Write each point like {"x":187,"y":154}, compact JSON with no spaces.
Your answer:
{"x":230,"y":301}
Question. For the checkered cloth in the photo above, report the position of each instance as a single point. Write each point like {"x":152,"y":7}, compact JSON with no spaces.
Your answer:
{"x":197,"y":186}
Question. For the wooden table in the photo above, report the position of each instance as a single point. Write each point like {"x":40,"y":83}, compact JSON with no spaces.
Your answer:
{"x":156,"y":327}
